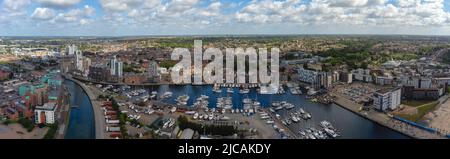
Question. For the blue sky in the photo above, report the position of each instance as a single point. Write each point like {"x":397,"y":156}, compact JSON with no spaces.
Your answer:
{"x":212,"y":17}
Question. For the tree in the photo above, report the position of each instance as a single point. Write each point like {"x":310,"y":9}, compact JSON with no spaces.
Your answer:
{"x":51,"y":131}
{"x":27,"y":124}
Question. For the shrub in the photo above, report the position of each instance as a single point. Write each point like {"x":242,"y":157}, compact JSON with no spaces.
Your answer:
{"x":27,"y":124}
{"x":52,"y":131}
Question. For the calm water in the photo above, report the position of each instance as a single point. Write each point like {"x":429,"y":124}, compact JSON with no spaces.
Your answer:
{"x":351,"y":126}
{"x":81,"y":123}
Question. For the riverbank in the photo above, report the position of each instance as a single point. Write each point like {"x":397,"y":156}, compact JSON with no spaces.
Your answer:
{"x":63,"y":115}
{"x":384,"y":120}
{"x":99,"y":122}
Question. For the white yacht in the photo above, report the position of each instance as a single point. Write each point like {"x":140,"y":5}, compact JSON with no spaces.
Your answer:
{"x":217,"y":90}
{"x":173,"y":109}
{"x":166,"y":95}
{"x":244,"y":91}
{"x":195,"y":116}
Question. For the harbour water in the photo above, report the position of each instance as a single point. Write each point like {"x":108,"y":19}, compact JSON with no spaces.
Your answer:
{"x":81,"y":121}
{"x":350,"y":125}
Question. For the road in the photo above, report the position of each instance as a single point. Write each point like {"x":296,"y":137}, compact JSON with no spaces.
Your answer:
{"x":438,"y":55}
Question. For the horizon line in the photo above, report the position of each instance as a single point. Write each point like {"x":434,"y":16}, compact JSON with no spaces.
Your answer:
{"x":229,"y":35}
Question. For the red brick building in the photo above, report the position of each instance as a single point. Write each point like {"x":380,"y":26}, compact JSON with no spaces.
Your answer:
{"x":132,"y":79}
{"x":4,"y":75}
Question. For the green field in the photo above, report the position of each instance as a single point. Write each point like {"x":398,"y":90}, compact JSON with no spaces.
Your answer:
{"x":416,"y":103}
{"x":4,"y":62}
{"x":421,"y":111}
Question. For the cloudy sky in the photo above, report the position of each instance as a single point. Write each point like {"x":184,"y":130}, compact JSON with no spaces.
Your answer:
{"x":206,"y":17}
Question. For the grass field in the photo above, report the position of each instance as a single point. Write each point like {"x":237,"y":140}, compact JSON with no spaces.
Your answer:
{"x":416,"y":103}
{"x":4,"y":62}
{"x":421,"y":111}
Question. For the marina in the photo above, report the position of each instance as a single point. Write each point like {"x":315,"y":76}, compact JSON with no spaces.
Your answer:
{"x":294,"y":112}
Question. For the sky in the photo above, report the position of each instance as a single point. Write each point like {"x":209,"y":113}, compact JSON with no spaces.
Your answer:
{"x":222,"y":17}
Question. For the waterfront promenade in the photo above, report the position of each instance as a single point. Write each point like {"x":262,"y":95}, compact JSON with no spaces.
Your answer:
{"x":100,"y":123}
{"x":385,"y":120}
{"x":120,"y":84}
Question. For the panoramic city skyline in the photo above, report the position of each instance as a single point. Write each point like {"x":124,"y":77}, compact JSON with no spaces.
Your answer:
{"x":224,"y":69}
{"x":217,"y":17}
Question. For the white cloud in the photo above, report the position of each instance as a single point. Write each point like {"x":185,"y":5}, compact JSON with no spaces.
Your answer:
{"x":13,"y":8}
{"x":177,"y":6}
{"x":347,"y":12}
{"x":348,"y":3}
{"x":13,"y":12}
{"x":213,"y":14}
{"x":120,"y":5}
{"x":85,"y":21}
{"x":43,"y":14}
{"x":143,"y":12}
{"x":15,"y":5}
{"x":212,"y":10}
{"x":408,"y":3}
{"x":58,"y":3}
{"x":81,"y":15}
{"x":77,"y":16}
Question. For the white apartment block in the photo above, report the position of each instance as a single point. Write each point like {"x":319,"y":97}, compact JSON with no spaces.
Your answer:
{"x":45,"y":114}
{"x":387,"y":99}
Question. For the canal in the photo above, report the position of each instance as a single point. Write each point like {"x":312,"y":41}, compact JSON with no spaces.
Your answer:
{"x":81,"y":121}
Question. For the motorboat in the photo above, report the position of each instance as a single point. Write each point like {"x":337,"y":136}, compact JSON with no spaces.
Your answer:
{"x":216,"y":89}
{"x":302,"y":111}
{"x":331,"y":133}
{"x":244,"y":91}
{"x":173,"y":109}
{"x":275,"y":104}
{"x":278,"y":108}
{"x":271,"y":110}
{"x":166,"y":95}
{"x":289,"y":106}
{"x":211,"y":116}
{"x":195,"y":116}
{"x":294,"y":119}
{"x":247,"y":101}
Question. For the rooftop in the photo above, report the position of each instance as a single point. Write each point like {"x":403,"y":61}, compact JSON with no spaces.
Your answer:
{"x":47,"y":106}
{"x":387,"y":90}
{"x":187,"y":134}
